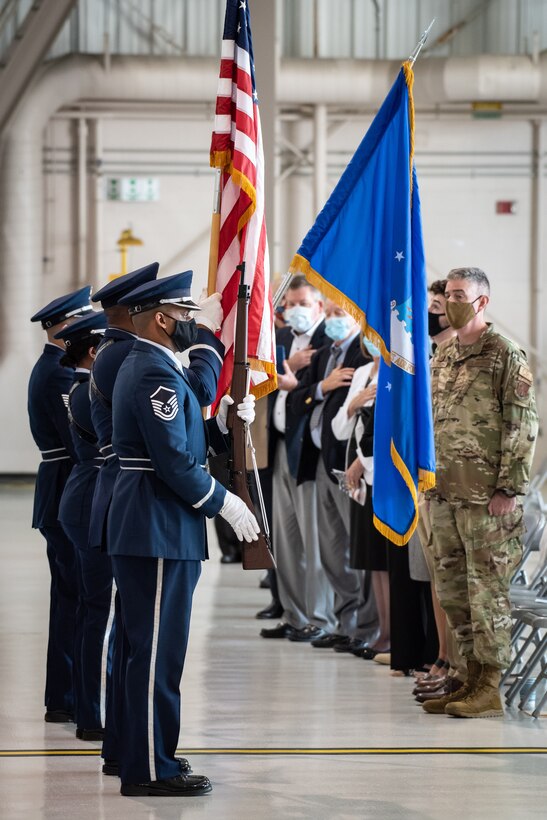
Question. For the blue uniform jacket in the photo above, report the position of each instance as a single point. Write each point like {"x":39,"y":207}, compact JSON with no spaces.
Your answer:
{"x":206,"y":358}
{"x":114,"y":347}
{"x":163,"y":491}
{"x":75,"y":507}
{"x":48,"y":391}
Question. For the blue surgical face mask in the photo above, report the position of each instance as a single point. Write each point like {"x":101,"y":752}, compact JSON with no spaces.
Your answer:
{"x":372,"y":349}
{"x":299,"y":317}
{"x":338,"y":327}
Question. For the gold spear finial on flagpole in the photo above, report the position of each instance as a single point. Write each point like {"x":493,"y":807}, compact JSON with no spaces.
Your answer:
{"x":421,"y":43}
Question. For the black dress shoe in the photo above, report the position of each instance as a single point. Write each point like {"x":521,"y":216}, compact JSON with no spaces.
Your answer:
{"x":231,"y":558}
{"x":307,"y":634}
{"x":367,"y":653}
{"x":58,"y":716}
{"x":111,"y":767}
{"x":279,"y":631}
{"x":90,"y":734}
{"x":352,"y":647}
{"x":275,"y":610}
{"x":328,"y":641}
{"x":184,"y":785}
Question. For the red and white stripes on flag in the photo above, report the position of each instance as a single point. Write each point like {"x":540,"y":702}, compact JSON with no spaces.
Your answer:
{"x":236,"y":148}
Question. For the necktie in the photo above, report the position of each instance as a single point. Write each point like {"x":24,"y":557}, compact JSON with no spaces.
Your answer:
{"x":316,"y":421}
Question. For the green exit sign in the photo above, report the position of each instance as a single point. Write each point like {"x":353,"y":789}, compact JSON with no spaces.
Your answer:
{"x":133,"y":189}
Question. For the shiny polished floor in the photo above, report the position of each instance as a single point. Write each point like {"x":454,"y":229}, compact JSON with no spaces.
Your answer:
{"x":281,"y":729}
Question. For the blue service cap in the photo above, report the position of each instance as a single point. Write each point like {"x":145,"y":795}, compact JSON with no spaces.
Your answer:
{"x":170,"y":290}
{"x":63,"y":307}
{"x":110,"y":294}
{"x":89,"y":325}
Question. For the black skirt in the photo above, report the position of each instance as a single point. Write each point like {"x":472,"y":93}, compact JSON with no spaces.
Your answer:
{"x":368,"y":547}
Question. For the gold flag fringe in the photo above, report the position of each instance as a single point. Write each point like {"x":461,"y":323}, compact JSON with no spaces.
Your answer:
{"x":396,"y":537}
{"x":301,"y":265}
{"x":265,"y":387}
{"x":409,"y":78}
{"x":426,"y":478}
{"x":220,"y":159}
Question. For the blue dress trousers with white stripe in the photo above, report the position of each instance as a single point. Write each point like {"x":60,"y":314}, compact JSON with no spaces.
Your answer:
{"x":94,"y":567}
{"x":157,"y":540}
{"x":48,"y":391}
{"x":111,"y":353}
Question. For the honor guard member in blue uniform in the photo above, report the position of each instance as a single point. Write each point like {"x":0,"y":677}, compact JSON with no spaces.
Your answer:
{"x":94,"y":570}
{"x":205,"y":365}
{"x":156,"y":527}
{"x":48,"y":391}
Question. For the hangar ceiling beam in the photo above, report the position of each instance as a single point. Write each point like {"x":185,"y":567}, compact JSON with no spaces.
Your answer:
{"x":30,"y":45}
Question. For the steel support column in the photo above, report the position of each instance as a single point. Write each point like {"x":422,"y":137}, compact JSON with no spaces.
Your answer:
{"x":30,"y":45}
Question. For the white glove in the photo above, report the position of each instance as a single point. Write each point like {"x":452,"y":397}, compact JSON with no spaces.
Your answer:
{"x":211,"y":313}
{"x":240,"y":518}
{"x":245,"y":411}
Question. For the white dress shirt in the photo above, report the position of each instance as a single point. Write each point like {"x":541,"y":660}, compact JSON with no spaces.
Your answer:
{"x":342,"y":425}
{"x":300,"y":342}
{"x":316,"y":420}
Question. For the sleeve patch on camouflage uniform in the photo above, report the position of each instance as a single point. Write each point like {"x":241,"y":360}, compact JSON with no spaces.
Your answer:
{"x":524,"y":382}
{"x":164,"y":403}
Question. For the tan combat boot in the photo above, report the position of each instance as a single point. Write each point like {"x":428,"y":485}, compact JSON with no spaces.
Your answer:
{"x":482,"y":702}
{"x":437,"y":706}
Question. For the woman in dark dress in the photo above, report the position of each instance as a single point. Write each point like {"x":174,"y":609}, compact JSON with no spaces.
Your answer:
{"x":368,"y":548}
{"x":405,"y":619}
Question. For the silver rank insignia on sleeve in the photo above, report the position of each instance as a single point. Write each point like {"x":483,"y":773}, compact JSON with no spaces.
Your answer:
{"x":165,"y":403}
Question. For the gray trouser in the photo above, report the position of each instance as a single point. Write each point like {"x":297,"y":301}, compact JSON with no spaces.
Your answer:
{"x":304,"y":591}
{"x":354,"y":605}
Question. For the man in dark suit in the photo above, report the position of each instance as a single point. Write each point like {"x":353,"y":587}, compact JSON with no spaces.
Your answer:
{"x":48,"y":391}
{"x":304,"y":591}
{"x":318,"y":397}
{"x":156,"y":532}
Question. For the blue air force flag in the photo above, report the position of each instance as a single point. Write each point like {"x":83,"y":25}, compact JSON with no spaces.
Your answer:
{"x":365,"y":251}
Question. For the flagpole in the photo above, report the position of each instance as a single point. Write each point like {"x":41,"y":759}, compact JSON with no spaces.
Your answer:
{"x":215,"y":235}
{"x":285,"y":282}
{"x":421,"y":43}
{"x":281,"y":290}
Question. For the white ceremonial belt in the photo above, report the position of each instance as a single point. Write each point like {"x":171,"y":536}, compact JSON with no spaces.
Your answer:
{"x":58,"y":454}
{"x":136,"y":464}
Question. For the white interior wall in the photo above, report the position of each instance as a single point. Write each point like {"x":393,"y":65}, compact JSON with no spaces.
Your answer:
{"x":464,"y":167}
{"x":174,"y":230}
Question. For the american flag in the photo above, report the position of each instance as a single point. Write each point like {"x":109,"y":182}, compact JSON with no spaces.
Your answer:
{"x":236,"y":148}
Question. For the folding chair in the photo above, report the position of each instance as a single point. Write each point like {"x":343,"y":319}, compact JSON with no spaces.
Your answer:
{"x":536,"y":640}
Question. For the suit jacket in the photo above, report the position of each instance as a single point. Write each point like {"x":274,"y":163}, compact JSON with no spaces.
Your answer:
{"x":163,"y":491}
{"x":302,"y":403}
{"x":294,"y":423}
{"x":48,"y":391}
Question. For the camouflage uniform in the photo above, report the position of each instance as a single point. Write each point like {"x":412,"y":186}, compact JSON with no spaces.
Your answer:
{"x":485,"y":431}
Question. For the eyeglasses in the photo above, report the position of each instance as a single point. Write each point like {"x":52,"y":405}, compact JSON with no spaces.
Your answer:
{"x":186,"y":317}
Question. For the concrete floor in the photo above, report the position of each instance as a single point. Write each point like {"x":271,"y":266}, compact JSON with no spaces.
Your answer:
{"x":281,"y":729}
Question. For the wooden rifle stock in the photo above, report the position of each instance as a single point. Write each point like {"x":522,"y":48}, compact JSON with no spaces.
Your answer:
{"x":256,"y":554}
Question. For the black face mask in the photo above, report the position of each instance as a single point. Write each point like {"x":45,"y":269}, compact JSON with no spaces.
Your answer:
{"x":184,"y":335}
{"x":434,"y":324}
